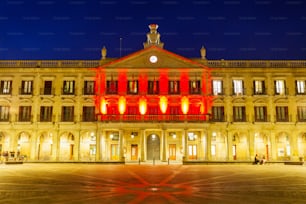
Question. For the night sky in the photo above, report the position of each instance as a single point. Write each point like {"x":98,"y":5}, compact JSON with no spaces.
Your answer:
{"x":77,"y":29}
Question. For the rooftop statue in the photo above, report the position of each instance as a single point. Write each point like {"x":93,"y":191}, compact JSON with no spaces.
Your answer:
{"x":153,"y":37}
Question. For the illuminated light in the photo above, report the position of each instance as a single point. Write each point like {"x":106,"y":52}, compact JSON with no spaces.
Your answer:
{"x":142,"y":105}
{"x":185,"y":104}
{"x":103,"y":108}
{"x":163,"y":104}
{"x":202,"y":108}
{"x":121,"y":105}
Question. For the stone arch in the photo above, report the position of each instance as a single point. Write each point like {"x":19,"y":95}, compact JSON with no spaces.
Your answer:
{"x":283,"y":146}
{"x":24,"y":144}
{"x":67,"y":146}
{"x":240,"y":146}
{"x":45,"y":146}
{"x":87,"y":145}
{"x":4,"y":142}
{"x":302,"y":145}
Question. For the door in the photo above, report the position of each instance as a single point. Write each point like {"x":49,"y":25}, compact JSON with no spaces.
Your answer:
{"x":134,"y":152}
{"x":234,"y":152}
{"x":71,"y":151}
{"x":172,"y":151}
{"x":192,"y":151}
{"x":114,"y":152}
{"x":153,"y":147}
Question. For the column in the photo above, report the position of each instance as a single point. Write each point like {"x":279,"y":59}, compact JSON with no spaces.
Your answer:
{"x":76,"y":147}
{"x":121,"y":147}
{"x":229,"y":146}
{"x":273,"y":147}
{"x":208,"y":146}
{"x":202,"y":143}
{"x":98,"y":145}
{"x":293,"y":146}
{"x":164,"y":151}
{"x":251,"y":144}
{"x":103,"y":146}
{"x":185,"y":134}
{"x":143,"y":154}
{"x":57,"y":146}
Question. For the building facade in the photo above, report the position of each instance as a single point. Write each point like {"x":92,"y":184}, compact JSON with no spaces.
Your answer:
{"x":153,"y":105}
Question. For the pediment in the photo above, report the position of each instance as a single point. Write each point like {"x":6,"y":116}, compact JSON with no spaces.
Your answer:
{"x":164,"y":59}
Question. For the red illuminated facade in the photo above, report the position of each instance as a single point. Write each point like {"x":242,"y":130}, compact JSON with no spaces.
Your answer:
{"x":178,"y":90}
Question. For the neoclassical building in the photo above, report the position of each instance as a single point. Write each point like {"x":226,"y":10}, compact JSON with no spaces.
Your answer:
{"x":153,"y":105}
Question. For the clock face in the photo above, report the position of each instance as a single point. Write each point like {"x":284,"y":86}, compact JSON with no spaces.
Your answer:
{"x":153,"y":59}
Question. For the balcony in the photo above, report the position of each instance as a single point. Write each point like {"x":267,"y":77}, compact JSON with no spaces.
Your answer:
{"x":194,"y":118}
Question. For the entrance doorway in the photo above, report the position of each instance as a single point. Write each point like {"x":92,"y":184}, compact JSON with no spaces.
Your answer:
{"x":192,"y":151}
{"x":153,"y":147}
{"x":172,"y":151}
{"x":134,"y":151}
{"x":114,"y":152}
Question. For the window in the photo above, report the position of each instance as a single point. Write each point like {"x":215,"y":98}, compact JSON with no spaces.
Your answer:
{"x":153,"y":110}
{"x":68,"y":88}
{"x":259,"y":87}
{"x":48,"y":88}
{"x":282,"y":114}
{"x":237,"y":87}
{"x":217,"y":113}
{"x":132,"y":87}
{"x":6,"y":87}
{"x":174,"y":87}
{"x":192,"y":136}
{"x":46,"y":113}
{"x":89,"y":88}
{"x":89,"y":114}
{"x":301,"y":113}
{"x":194,"y":87}
{"x":112,"y":87}
{"x":280,"y":87}
{"x":153,"y":87}
{"x":26,"y":87}
{"x":4,"y":113}
{"x":217,"y":87}
{"x":239,"y":114}
{"x":132,"y":110}
{"x":300,"y":87}
{"x":67,"y":113}
{"x":24,"y":113}
{"x":260,"y":113}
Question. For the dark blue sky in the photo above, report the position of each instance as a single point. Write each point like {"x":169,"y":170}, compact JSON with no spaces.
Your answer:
{"x":77,"y":29}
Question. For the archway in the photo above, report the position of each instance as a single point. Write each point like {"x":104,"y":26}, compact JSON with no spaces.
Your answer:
{"x":23,"y":148}
{"x":302,"y":145}
{"x":67,"y":146}
{"x":44,"y":146}
{"x":153,"y":147}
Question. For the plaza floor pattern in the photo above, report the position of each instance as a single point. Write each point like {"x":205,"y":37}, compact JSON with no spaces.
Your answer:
{"x":156,"y":184}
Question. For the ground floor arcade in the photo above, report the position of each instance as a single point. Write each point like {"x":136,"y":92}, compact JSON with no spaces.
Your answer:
{"x":143,"y":142}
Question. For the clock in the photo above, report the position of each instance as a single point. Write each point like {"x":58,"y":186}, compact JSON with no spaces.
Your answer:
{"x":153,"y":59}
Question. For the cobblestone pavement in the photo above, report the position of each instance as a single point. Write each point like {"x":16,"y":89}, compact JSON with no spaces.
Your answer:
{"x":158,"y":184}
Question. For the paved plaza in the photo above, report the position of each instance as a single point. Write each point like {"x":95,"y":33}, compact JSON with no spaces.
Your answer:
{"x":133,"y":184}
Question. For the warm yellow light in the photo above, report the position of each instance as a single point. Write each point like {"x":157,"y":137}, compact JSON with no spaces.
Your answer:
{"x":103,"y":108}
{"x":185,"y":104}
{"x":121,"y":104}
{"x":202,"y":108}
{"x":142,"y":105}
{"x":163,"y":104}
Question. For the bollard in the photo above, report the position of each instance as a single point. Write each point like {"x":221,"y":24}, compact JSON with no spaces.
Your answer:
{"x":139,"y":161}
{"x":168,"y":161}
